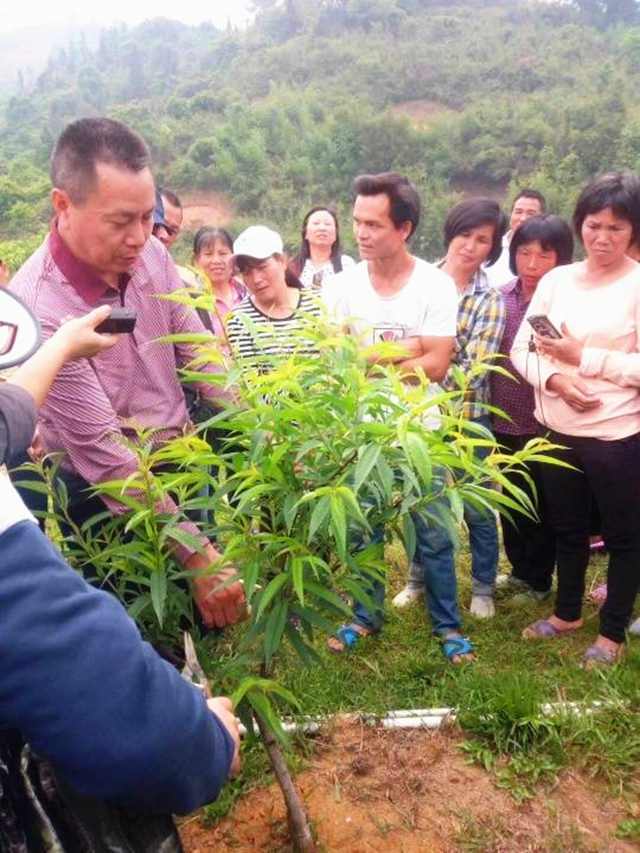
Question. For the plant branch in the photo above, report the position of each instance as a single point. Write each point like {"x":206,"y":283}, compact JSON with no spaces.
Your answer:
{"x":299,"y":826}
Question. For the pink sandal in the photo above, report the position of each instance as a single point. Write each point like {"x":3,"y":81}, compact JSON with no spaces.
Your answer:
{"x":542,"y":629}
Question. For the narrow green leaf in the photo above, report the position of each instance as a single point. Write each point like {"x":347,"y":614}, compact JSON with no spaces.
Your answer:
{"x":327,"y":595}
{"x":158,"y":584}
{"x":318,"y":517}
{"x":260,"y":703}
{"x":274,"y":630}
{"x":307,"y":654}
{"x":339,"y":526}
{"x":386,"y":478}
{"x":418,"y":453}
{"x":409,"y":536}
{"x":290,"y":510}
{"x":273,"y":588}
{"x":369,"y":456}
{"x":297,"y":573}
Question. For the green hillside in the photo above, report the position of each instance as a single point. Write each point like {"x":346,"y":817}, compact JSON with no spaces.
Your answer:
{"x":474,"y":96}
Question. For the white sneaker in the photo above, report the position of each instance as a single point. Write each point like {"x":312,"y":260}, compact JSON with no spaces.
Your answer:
{"x":407,"y":596}
{"x":634,"y":628}
{"x":482,"y":607}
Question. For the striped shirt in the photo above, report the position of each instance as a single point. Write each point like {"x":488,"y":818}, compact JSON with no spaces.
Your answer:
{"x":481,"y":319}
{"x":258,"y":340}
{"x":94,"y":403}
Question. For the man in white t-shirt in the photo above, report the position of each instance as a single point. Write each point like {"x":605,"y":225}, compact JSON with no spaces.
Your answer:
{"x":393,"y":296}
{"x":527,"y":203}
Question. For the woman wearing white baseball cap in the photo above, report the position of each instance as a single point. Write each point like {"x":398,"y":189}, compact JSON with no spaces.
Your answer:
{"x":269,"y":323}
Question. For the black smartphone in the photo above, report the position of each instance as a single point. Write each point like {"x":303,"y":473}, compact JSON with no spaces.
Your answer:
{"x":121,"y":321}
{"x":543,"y":326}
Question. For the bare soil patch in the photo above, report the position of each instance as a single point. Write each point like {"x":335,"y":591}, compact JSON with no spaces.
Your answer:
{"x":372,"y":791}
{"x":473,"y":187}
{"x":206,"y":207}
{"x":421,"y":111}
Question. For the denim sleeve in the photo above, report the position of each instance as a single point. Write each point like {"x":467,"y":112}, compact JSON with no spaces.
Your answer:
{"x":76,"y":678}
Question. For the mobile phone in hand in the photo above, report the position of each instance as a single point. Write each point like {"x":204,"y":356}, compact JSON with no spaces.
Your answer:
{"x":543,"y":326}
{"x":121,"y":321}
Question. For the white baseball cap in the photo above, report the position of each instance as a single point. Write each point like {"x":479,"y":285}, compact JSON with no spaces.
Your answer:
{"x":259,"y":242}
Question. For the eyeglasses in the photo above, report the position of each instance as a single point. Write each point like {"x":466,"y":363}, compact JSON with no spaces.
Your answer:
{"x":171,"y":230}
{"x":8,"y":334}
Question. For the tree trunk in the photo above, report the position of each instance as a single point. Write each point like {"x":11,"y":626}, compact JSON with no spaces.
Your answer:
{"x":299,"y":827}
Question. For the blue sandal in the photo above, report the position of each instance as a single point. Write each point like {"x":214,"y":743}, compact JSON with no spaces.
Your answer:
{"x":456,"y":645}
{"x":347,"y":636}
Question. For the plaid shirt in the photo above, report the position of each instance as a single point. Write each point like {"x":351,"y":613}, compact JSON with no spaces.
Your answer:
{"x":514,"y":396}
{"x":481,"y":319}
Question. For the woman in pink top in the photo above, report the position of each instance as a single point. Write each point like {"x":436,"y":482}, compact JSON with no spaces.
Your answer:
{"x":212,"y":255}
{"x":586,"y":387}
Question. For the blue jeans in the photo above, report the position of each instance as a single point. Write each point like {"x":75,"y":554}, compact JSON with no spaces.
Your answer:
{"x":483,"y":541}
{"x":435,"y":560}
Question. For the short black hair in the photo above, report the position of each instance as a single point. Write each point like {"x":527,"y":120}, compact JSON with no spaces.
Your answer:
{"x":207,"y":236}
{"x":473,"y":213}
{"x":404,"y":201}
{"x":528,"y":192}
{"x":170,"y":196}
{"x":553,"y":234}
{"x":618,"y":190}
{"x":88,"y":141}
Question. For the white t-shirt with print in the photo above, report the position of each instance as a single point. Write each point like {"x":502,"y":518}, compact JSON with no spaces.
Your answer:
{"x":426,"y":306}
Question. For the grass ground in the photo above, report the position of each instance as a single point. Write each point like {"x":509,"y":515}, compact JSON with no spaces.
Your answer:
{"x":498,"y":695}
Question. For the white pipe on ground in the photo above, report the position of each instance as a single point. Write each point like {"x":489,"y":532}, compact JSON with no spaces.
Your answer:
{"x":428,"y":718}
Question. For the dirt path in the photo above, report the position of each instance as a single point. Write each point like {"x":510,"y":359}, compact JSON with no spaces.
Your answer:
{"x":372,"y":791}
{"x":206,"y":208}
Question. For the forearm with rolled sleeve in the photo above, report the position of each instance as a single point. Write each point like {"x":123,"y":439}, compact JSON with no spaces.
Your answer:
{"x":93,"y":442}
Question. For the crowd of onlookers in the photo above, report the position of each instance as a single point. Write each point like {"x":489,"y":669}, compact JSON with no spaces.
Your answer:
{"x":577,"y":386}
{"x":571,"y":374}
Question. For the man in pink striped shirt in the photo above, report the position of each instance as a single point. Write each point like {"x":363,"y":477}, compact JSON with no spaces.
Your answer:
{"x":100,"y":251}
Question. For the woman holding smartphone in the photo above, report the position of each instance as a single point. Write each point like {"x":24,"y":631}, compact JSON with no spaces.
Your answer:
{"x":586,"y":388}
{"x":539,"y":245}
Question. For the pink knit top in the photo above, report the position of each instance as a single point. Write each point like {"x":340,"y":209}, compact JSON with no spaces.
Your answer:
{"x":606,"y":319}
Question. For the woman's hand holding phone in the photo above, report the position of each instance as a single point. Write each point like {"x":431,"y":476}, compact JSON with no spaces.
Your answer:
{"x":567,"y":348}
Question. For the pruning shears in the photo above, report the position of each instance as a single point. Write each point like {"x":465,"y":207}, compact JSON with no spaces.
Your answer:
{"x":193,"y":670}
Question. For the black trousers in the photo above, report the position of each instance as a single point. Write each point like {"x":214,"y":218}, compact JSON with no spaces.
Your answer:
{"x":609,"y":472}
{"x":530,"y":545}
